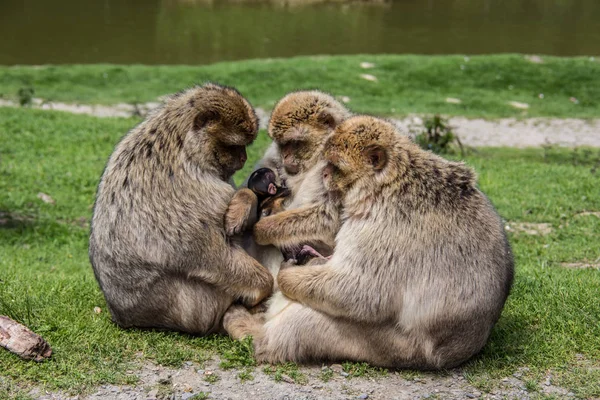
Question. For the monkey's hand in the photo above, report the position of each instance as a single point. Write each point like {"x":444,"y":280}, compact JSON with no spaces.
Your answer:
{"x":241,"y":213}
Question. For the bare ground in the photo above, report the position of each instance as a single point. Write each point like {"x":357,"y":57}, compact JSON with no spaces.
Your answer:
{"x":157,"y":382}
{"x":507,"y":132}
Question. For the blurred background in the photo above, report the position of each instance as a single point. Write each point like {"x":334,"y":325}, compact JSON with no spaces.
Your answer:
{"x":207,"y":31}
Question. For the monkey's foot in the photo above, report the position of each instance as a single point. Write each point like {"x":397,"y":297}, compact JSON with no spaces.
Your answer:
{"x":239,"y":323}
{"x":308,"y":251}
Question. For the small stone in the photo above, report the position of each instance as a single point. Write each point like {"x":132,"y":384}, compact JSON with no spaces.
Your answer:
{"x":188,"y":363}
{"x":152,"y":394}
{"x":206,"y":384}
{"x":534,"y":59}
{"x":367,"y":65}
{"x":186,"y":396}
{"x":343,"y":373}
{"x":363,"y":396}
{"x":200,"y":371}
{"x":337,"y":368}
{"x":46,"y":198}
{"x":369,"y":77}
{"x":471,"y":395}
{"x":165,"y":381}
{"x":286,"y":379}
{"x":97,"y":310}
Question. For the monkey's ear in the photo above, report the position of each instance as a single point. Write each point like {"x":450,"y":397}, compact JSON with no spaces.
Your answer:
{"x":376,"y":156}
{"x":204,"y":117}
{"x":327,"y":119}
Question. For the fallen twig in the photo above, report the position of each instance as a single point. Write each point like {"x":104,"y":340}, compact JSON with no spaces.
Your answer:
{"x":20,"y":340}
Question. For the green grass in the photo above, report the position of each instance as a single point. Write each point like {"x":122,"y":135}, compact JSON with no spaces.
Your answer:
{"x":551,"y":321}
{"x":406,"y":84}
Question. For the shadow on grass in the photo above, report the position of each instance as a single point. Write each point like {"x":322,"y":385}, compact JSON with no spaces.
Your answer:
{"x":506,"y":347}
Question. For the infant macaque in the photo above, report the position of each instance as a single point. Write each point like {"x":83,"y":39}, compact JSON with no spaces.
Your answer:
{"x":270,"y":196}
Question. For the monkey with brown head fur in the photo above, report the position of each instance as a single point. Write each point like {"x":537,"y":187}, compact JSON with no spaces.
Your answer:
{"x":421,"y":268}
{"x":158,"y":245}
{"x":299,"y":125}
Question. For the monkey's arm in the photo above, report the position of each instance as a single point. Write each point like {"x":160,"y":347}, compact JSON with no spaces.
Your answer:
{"x":332,"y":292}
{"x":318,"y":222}
{"x":241,"y":212}
{"x":239,"y":274}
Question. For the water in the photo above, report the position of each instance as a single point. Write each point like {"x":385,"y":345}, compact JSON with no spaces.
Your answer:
{"x":205,"y":31}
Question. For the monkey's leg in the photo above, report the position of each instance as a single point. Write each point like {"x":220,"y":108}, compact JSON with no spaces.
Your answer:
{"x":305,"y":224}
{"x":175,"y":303}
{"x":242,"y":212}
{"x":336,"y":293}
{"x":247,"y":278}
{"x":301,"y":334}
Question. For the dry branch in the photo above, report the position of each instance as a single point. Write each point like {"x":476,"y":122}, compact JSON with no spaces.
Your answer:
{"x":23,"y":342}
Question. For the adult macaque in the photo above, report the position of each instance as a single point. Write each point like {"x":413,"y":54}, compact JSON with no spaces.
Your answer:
{"x":158,"y":245}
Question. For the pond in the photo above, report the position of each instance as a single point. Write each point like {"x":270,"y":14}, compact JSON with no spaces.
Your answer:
{"x":207,"y":31}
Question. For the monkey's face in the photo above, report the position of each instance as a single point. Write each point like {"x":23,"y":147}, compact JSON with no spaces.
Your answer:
{"x":298,"y":151}
{"x":356,"y":154}
{"x":230,"y":158}
{"x":263,"y":182}
{"x":300,"y":124}
{"x":222,"y":130}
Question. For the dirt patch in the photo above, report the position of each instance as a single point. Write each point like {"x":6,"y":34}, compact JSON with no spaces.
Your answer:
{"x":157,"y":382}
{"x":529,"y":228}
{"x":581,"y":265}
{"x":506,"y":132}
{"x":587,"y":213}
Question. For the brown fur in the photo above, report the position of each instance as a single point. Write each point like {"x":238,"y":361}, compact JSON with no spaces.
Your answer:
{"x":158,"y":245}
{"x":299,"y":127}
{"x":421,"y":269}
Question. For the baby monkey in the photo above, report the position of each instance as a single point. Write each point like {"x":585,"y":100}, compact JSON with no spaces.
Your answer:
{"x":271,"y":196}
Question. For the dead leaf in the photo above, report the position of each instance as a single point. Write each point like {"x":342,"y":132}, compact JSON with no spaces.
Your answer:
{"x":97,"y":310}
{"x":46,"y":198}
{"x":369,"y":77}
{"x":453,"y":100}
{"x":367,"y":65}
{"x":520,"y":106}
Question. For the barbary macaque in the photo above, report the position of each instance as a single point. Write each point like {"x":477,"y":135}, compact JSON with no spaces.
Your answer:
{"x":158,"y":244}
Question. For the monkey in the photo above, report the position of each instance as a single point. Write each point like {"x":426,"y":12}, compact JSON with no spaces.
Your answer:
{"x":421,"y":268}
{"x":271,"y":197}
{"x":158,"y":245}
{"x":299,"y":125}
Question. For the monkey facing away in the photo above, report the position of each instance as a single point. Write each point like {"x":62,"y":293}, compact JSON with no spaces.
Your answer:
{"x":421,"y":268}
{"x":158,"y":245}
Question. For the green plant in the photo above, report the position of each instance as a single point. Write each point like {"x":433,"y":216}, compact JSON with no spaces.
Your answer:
{"x":25,"y":96}
{"x":437,"y":135}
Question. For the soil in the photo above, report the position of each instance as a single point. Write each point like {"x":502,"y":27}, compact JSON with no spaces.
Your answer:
{"x":189,"y":382}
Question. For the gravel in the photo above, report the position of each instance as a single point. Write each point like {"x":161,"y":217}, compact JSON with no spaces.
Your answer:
{"x":185,"y":383}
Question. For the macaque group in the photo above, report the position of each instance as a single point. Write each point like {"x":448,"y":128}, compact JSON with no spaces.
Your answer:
{"x":359,"y":245}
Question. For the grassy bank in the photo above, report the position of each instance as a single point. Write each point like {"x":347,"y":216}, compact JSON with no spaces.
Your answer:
{"x":551,"y":321}
{"x":569,"y":87}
